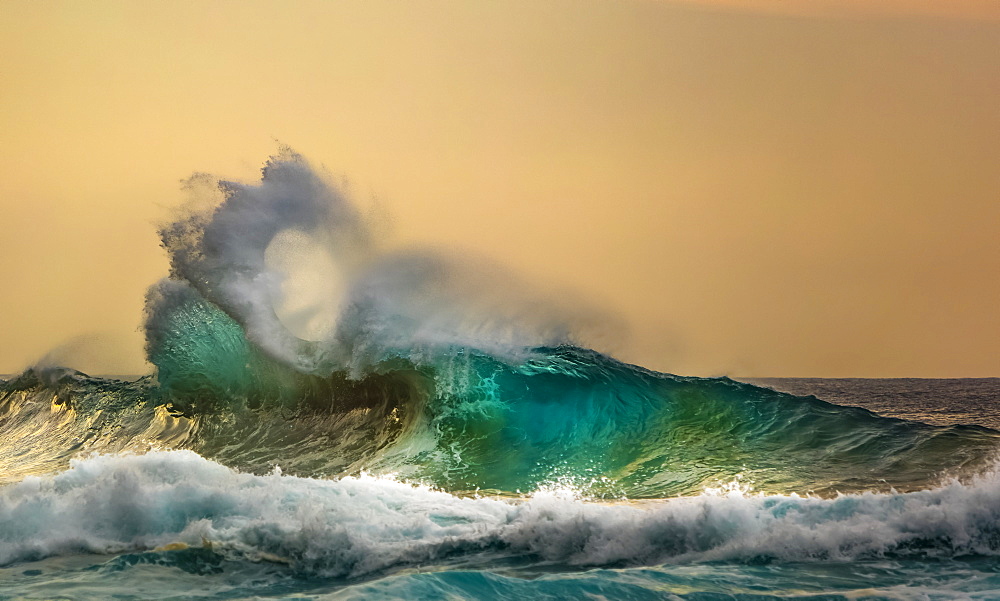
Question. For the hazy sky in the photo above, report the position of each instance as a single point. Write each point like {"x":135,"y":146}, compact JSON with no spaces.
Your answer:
{"x":783,"y":189}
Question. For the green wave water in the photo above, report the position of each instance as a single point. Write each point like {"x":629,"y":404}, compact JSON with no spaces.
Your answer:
{"x":464,"y":420}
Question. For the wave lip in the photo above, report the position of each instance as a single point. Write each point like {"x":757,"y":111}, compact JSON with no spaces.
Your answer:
{"x":239,"y":248}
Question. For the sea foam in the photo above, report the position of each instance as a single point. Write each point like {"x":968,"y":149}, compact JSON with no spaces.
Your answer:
{"x":355,"y":527}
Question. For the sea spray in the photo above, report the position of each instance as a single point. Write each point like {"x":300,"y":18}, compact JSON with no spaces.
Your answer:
{"x":385,"y":304}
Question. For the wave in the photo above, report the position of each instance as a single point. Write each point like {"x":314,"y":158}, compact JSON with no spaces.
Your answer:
{"x":469,"y":421}
{"x":358,"y":527}
{"x":415,"y":363}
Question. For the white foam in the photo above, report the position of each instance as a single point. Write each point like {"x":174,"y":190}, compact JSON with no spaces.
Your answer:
{"x":358,"y":526}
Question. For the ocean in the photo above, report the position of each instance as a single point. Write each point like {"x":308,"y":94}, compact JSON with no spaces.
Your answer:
{"x":426,"y":443}
{"x":938,"y":401}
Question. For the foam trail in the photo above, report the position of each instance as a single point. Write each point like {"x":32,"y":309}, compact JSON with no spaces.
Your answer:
{"x":362,"y":526}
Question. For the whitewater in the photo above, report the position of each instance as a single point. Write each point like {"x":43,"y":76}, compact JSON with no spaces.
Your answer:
{"x":328,"y":419}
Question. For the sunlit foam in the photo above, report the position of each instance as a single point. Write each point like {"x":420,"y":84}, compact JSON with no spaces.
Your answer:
{"x":308,"y":287}
{"x":735,"y":488}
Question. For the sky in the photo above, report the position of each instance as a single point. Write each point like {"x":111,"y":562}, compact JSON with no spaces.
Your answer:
{"x":753,"y":188}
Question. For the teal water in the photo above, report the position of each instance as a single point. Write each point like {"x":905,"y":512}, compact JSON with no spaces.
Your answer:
{"x":423,"y":441}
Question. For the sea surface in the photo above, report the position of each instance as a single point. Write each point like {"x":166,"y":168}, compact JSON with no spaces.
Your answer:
{"x":404,"y":435}
{"x":938,"y":401}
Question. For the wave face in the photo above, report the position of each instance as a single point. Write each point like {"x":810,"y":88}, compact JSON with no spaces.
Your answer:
{"x":468,"y":421}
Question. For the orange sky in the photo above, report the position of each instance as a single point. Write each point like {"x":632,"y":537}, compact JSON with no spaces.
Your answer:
{"x":754,"y":192}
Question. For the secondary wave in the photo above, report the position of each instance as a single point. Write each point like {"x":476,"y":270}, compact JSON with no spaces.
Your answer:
{"x":357,"y":527}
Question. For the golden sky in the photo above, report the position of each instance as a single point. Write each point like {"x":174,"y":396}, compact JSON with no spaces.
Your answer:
{"x":755,"y":188}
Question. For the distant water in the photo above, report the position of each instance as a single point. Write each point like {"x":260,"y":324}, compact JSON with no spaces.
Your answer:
{"x":942,"y":402}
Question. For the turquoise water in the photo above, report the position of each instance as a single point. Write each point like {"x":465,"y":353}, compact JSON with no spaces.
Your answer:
{"x":422,"y":441}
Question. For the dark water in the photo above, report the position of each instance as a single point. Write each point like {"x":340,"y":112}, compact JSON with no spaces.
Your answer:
{"x":940,"y":402}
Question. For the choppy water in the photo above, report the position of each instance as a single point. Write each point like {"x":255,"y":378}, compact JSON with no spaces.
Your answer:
{"x":414,"y":439}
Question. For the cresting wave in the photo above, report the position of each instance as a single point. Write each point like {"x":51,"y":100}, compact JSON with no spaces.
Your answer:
{"x":302,"y":277}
